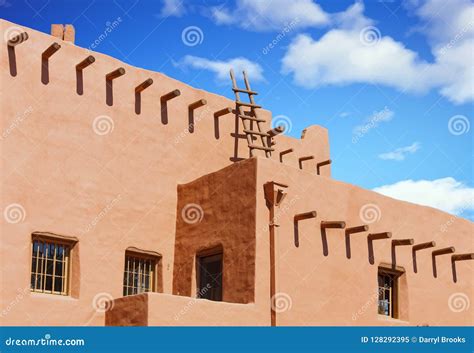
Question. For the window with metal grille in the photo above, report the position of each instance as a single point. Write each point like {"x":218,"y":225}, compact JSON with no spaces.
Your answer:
{"x":50,"y":266}
{"x":388,"y":296}
{"x":139,"y":274}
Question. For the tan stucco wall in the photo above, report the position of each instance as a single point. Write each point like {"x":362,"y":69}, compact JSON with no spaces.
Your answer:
{"x":335,"y":290}
{"x":224,"y":205}
{"x":312,"y":288}
{"x":111,"y":191}
{"x":172,"y":310}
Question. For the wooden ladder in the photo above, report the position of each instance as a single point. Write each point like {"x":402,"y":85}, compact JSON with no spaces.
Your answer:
{"x":250,"y":116}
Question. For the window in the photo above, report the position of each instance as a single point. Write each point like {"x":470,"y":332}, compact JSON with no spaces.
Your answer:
{"x":140,"y":273}
{"x":50,"y":266}
{"x":210,"y":277}
{"x":388,"y":292}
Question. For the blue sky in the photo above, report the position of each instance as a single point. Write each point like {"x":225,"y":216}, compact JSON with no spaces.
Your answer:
{"x":392,"y":81}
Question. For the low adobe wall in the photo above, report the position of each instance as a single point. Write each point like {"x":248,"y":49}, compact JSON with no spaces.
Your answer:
{"x":152,"y":309}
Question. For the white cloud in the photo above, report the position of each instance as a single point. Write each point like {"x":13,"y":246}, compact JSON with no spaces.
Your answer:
{"x":350,"y":54}
{"x":454,"y":68}
{"x":352,"y":18}
{"x":400,"y":153}
{"x":446,"y":194}
{"x":221,"y":68}
{"x":445,"y":21}
{"x":341,"y":57}
{"x":269,"y":15}
{"x":172,"y":8}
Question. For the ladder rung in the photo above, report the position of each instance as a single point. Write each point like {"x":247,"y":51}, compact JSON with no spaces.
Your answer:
{"x":251,"y":118}
{"x":244,"y":91}
{"x":256,"y":133}
{"x":248,"y":104}
{"x":261,"y":148}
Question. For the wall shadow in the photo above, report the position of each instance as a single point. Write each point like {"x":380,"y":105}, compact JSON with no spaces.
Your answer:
{"x":109,"y":97}
{"x":324,"y":239}
{"x":79,"y":82}
{"x":45,"y":71}
{"x":164,"y":111}
{"x":370,"y":245}
{"x":190,"y":120}
{"x":216,"y":128}
{"x":394,"y":257}
{"x":348,"y":245}
{"x":297,"y":233}
{"x":433,"y":262}
{"x":415,"y":265}
{"x":12,"y":60}
{"x":453,"y":268}
{"x":138,"y":103}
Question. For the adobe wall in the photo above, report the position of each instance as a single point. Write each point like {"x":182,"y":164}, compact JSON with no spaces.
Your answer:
{"x":154,"y":309}
{"x":111,"y":182}
{"x":218,"y":212}
{"x":336,"y":290}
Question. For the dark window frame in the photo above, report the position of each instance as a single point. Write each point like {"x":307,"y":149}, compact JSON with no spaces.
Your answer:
{"x":62,"y":248}
{"x":388,"y":292}
{"x":203,"y":261}
{"x":145,"y":261}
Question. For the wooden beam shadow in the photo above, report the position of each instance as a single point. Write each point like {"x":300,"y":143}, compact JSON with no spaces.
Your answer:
{"x":370,"y":243}
{"x":435,"y":253}
{"x":395,"y":243}
{"x":297,"y":218}
{"x":349,"y":232}
{"x":53,"y":48}
{"x":164,"y":104}
{"x":418,"y":247}
{"x":80,"y":75}
{"x":11,"y":44}
{"x":325,"y":225}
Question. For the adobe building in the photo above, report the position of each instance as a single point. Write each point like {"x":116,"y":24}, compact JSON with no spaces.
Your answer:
{"x":130,"y":198}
